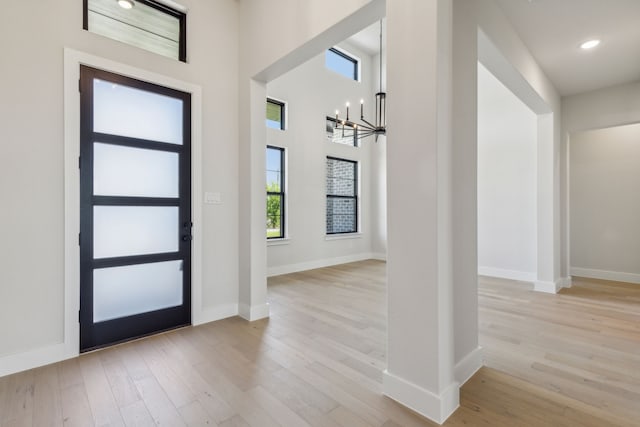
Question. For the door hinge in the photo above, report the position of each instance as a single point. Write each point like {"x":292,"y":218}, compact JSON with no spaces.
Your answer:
{"x":79,"y":162}
{"x":78,"y":316}
{"x":79,"y":85}
{"x":79,"y":239}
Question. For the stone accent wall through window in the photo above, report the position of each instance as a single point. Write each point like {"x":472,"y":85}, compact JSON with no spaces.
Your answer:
{"x":342,"y":196}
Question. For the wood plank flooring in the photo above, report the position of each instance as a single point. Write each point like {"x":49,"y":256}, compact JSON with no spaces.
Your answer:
{"x":551,"y":360}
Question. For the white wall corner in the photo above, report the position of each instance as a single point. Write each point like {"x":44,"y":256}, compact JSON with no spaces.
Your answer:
{"x":468,"y":366}
{"x":565,"y":282}
{"x":616,"y":276}
{"x":255,"y":312}
{"x":435,"y":407}
{"x":379,"y":256}
{"x":211,"y":314}
{"x":523,"y":276}
{"x":319,"y":263}
{"x":12,"y":363}
{"x":547,"y":287}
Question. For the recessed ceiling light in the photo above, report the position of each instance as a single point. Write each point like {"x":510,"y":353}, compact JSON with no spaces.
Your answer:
{"x":590,"y":44}
{"x":126,"y":4}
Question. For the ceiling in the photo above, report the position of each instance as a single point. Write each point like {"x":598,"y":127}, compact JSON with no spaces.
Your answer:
{"x":369,"y":38}
{"x":553,"y":31}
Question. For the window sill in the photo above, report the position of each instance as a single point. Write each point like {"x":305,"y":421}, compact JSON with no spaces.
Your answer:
{"x":278,"y":242}
{"x":343,"y":236}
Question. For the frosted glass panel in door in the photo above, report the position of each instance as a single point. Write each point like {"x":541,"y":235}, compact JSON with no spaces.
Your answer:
{"x":125,"y":111}
{"x":134,"y":230}
{"x":127,"y":171}
{"x":135,"y":289}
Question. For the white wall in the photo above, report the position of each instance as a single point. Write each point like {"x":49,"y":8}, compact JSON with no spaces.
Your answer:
{"x":32,"y":170}
{"x":507,"y":175}
{"x":507,"y":57}
{"x":379,"y":173}
{"x":313,"y":92}
{"x":607,"y":107}
{"x":605,"y":203}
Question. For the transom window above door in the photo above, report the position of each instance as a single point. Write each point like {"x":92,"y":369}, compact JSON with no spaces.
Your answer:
{"x":146,"y":24}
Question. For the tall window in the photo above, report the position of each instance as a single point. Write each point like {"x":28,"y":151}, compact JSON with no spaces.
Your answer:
{"x":342,"y":63}
{"x":147,"y":24}
{"x":275,"y":114}
{"x":275,"y":192}
{"x":342,"y":196}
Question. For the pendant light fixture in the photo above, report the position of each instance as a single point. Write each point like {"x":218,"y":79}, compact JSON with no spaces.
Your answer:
{"x":365,"y":128}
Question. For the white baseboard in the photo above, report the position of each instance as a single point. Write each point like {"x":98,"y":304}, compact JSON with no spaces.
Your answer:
{"x":320,"y":263}
{"x":435,"y":407}
{"x":212,"y":314}
{"x":523,"y":276}
{"x":255,"y":312}
{"x":468,"y":366}
{"x":379,"y":256}
{"x":616,"y":276}
{"x":547,"y":287}
{"x":565,"y":282}
{"x":42,"y":356}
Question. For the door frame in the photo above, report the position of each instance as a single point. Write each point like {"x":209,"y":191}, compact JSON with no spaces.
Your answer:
{"x":72,"y":61}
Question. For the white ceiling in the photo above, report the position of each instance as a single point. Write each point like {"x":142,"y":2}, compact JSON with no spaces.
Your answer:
{"x":369,"y":38}
{"x":553,"y":31}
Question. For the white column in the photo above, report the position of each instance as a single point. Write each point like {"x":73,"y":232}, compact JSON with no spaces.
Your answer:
{"x":252,"y":233}
{"x":420,"y":371}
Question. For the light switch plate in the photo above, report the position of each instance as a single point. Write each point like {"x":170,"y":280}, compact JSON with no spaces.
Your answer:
{"x":212,"y":198}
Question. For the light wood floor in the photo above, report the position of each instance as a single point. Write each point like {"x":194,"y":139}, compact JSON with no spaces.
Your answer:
{"x":552,"y":360}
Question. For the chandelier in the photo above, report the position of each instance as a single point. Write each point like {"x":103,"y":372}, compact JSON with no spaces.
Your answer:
{"x":365,"y":128}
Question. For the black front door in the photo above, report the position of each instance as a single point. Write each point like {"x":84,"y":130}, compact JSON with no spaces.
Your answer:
{"x":135,"y":208}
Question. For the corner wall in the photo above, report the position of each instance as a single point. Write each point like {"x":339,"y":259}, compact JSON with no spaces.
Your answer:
{"x":608,"y":107}
{"x":507,"y":182}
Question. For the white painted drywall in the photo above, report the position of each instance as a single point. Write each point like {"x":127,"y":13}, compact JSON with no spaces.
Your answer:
{"x":312,"y":92}
{"x":605,"y":202}
{"x":608,"y":107}
{"x":507,"y":180}
{"x":379,"y":174}
{"x":32,"y":170}
{"x":275,"y":37}
{"x":514,"y":65}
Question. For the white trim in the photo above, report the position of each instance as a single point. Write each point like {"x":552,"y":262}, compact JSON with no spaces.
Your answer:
{"x":547,"y":287}
{"x":468,"y":366}
{"x":13,"y":363}
{"x":278,"y":242}
{"x":380,"y":256}
{"x":319,"y":263}
{"x":173,"y":5}
{"x":523,"y":276}
{"x":616,"y":276}
{"x":211,"y":314}
{"x":343,"y":236}
{"x":435,"y":407}
{"x":565,"y":282}
{"x":255,"y":312}
{"x":72,"y":61}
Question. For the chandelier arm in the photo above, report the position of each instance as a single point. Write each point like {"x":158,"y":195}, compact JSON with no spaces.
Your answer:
{"x":370,"y":124}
